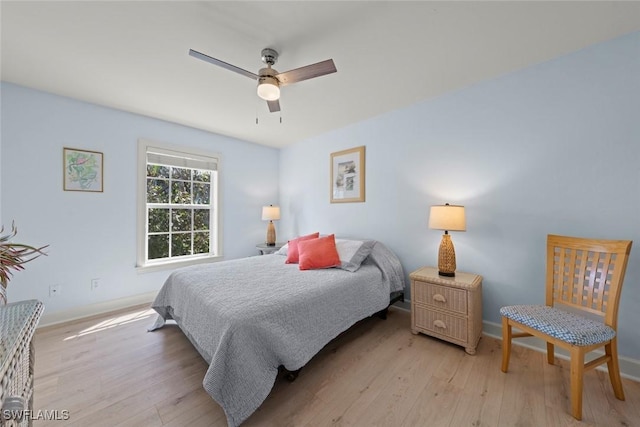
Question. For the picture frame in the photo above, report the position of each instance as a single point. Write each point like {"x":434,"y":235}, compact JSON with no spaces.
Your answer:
{"x":82,"y":170}
{"x":348,"y":176}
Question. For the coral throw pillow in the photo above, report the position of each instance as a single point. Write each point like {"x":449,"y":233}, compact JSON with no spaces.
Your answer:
{"x":318,"y":253}
{"x":292,"y":252}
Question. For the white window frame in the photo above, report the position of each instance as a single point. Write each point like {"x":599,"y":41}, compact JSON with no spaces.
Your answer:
{"x":215,"y":246}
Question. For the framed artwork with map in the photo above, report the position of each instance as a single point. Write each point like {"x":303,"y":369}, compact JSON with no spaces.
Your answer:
{"x":82,"y":170}
{"x":347,"y":176}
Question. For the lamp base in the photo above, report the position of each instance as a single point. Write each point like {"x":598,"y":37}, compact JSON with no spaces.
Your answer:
{"x":271,"y":234}
{"x":446,"y":257}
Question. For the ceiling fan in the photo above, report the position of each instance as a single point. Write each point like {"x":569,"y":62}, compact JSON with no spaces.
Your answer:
{"x":269,"y":79}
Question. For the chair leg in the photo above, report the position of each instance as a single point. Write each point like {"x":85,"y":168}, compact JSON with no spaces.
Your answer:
{"x":577,"y":374}
{"x":611,"y":350}
{"x":506,"y":343}
{"x":550,"y":354}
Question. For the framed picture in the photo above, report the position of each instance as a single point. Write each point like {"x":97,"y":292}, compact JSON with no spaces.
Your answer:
{"x":347,"y":176}
{"x":82,"y":170}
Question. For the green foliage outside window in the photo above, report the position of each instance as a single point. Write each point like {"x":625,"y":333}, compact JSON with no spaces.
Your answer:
{"x":176,"y":227}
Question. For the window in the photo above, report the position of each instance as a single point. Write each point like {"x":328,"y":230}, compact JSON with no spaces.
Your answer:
{"x":177,"y":205}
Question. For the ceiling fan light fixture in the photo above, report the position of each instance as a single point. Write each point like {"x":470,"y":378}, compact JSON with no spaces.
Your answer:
{"x":268,"y":88}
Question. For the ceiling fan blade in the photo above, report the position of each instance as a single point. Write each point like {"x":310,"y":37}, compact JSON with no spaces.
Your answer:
{"x":274,"y":106}
{"x":222,"y":64}
{"x":308,"y":72}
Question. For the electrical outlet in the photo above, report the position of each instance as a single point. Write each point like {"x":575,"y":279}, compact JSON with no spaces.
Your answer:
{"x":54,"y":290}
{"x":95,"y":284}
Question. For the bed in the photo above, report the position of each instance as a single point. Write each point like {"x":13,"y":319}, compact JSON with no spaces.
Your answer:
{"x":249,"y":317}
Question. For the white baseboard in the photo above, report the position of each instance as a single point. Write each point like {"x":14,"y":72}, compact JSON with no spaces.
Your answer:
{"x":629,"y":368}
{"x":49,"y":319}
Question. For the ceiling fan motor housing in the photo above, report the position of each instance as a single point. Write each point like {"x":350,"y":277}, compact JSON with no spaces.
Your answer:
{"x":268,"y":76}
{"x":267,"y":72}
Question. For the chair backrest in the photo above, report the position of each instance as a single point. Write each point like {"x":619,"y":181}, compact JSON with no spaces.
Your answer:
{"x":587,"y":274}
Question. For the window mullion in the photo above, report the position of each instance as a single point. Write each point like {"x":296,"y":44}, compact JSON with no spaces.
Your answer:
{"x":170,"y":226}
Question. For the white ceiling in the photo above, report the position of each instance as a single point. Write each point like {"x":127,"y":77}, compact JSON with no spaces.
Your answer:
{"x":133,"y":55}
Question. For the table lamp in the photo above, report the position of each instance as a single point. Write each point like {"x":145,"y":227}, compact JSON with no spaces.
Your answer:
{"x":448,"y":218}
{"x":271,"y":213}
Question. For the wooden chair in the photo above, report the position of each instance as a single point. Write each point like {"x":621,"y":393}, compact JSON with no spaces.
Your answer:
{"x":583,"y":276}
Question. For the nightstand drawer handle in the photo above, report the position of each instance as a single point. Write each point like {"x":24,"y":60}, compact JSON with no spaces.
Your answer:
{"x":439,"y":324}
{"x":439,"y":298}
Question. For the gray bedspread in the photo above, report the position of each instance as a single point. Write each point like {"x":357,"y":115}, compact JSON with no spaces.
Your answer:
{"x":247,"y":317}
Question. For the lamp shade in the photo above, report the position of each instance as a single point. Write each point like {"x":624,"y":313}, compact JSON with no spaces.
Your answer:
{"x":268,"y":88}
{"x":270,"y":213}
{"x":447,"y":217}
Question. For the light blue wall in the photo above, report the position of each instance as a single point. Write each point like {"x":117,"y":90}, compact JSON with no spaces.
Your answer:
{"x":554,"y":148}
{"x":93,"y":235}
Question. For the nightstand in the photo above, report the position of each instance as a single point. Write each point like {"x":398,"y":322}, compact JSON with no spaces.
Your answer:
{"x":449,"y":308}
{"x":266,"y":250}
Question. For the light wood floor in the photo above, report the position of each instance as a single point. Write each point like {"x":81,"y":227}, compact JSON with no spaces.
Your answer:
{"x":108,"y":371}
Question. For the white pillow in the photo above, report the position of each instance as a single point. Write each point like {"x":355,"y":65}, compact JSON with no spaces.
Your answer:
{"x":283,"y":250}
{"x":353,"y":252}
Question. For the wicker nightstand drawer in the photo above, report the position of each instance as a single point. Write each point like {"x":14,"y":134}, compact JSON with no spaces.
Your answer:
{"x":440,"y":297}
{"x":449,"y":308}
{"x":441,"y":324}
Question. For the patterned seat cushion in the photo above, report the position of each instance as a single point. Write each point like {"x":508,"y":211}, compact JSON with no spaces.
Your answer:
{"x":565,"y":326}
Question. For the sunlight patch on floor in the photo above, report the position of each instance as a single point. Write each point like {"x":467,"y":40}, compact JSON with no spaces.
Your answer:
{"x":114,"y":322}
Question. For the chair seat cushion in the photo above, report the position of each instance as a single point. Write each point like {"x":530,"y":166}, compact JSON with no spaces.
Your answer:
{"x":568,"y":327}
